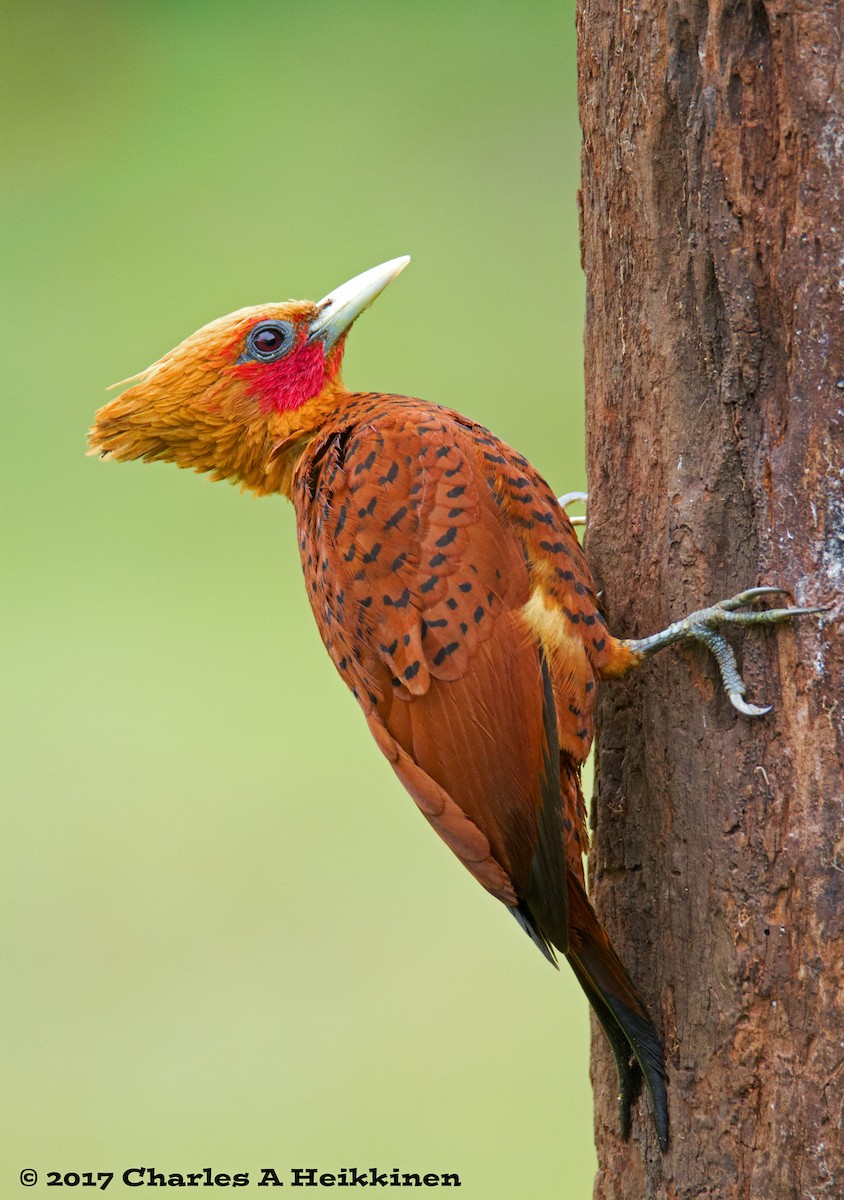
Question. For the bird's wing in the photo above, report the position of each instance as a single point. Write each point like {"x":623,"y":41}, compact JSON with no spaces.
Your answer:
{"x":453,"y":597}
{"x":419,"y":587}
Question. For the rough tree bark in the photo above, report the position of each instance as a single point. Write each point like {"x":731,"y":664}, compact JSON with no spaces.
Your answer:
{"x":712,"y":209}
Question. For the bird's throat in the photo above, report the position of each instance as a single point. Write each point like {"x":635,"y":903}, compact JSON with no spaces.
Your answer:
{"x":283,"y":460}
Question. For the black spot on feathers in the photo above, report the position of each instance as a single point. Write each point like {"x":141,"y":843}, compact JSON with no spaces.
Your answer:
{"x":367,"y":463}
{"x":369,"y":509}
{"x":396,"y":518}
{"x":443,"y":654}
{"x":402,"y":602}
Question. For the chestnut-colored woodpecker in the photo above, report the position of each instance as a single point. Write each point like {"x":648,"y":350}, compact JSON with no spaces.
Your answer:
{"x":453,"y":597}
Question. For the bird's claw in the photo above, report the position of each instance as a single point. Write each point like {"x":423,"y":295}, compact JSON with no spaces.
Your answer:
{"x":705,"y":626}
{"x":747,"y":597}
{"x":725,"y":611}
{"x":750,"y":710}
{"x":570,"y":498}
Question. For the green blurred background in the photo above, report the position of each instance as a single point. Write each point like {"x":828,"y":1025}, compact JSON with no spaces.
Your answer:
{"x":229,"y":938}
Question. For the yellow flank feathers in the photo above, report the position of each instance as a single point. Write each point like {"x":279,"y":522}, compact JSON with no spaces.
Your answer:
{"x":550,"y":625}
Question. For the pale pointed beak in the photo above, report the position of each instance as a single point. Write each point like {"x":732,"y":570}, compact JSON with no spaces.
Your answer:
{"x":339,"y":308}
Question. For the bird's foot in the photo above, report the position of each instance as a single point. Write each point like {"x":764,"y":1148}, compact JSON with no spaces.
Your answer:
{"x":573,"y":498}
{"x":706,"y":625}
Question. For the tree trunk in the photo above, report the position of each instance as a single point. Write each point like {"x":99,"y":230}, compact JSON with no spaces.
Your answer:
{"x":712,"y":208}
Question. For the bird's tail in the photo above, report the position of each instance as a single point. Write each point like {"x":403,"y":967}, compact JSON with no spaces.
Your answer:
{"x":555,"y":911}
{"x":635,"y":1043}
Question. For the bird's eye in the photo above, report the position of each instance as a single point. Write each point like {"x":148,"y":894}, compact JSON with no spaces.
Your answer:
{"x":270,"y":340}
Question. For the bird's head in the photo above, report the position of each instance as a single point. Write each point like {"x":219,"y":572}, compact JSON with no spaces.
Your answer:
{"x":240,"y":397}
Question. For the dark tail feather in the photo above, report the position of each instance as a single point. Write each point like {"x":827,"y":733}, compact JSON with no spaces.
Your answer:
{"x":555,"y":911}
{"x":525,"y":918}
{"x":620,"y":1010}
{"x":629,"y":1071}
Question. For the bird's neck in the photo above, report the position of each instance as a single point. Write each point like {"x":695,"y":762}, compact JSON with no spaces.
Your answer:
{"x":284,"y":458}
{"x":292,"y":434}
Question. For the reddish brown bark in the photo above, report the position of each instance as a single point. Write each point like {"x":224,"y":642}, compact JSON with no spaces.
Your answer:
{"x":712,"y":210}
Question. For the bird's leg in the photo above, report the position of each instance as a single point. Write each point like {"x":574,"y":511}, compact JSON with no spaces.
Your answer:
{"x":706,"y":625}
{"x":573,"y":498}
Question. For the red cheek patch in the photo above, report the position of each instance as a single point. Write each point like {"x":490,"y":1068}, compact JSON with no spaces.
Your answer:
{"x":286,"y":385}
